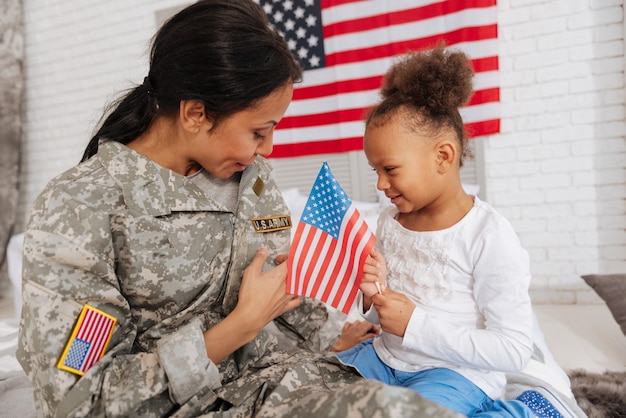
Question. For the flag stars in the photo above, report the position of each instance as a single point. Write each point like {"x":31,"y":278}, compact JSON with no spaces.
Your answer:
{"x":301,"y":33}
{"x":311,"y":20}
{"x":278,"y":17}
{"x":300,"y":23}
{"x":314,"y":61}
{"x":327,"y":204}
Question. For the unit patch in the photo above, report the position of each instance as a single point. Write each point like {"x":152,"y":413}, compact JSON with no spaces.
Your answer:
{"x":271,"y":224}
{"x":258,"y":186}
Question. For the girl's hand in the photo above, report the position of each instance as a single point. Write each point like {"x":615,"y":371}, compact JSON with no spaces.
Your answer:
{"x":354,"y":333}
{"x":394,"y":311}
{"x":374,"y":278}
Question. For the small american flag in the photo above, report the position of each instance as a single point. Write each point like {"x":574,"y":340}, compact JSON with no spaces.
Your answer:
{"x":345,"y":48}
{"x":88,"y":341}
{"x":330,"y":245}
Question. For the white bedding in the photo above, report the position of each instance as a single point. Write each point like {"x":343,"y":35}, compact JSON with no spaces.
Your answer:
{"x":583,"y":337}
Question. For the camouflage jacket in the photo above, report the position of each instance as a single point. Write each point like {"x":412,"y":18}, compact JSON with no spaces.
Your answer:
{"x":147,"y":247}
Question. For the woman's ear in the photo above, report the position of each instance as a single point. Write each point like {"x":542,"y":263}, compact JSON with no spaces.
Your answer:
{"x":446,"y":155}
{"x":192,"y":115}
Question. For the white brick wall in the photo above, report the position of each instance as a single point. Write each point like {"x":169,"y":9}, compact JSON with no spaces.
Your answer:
{"x":79,"y":55}
{"x":556,"y":170}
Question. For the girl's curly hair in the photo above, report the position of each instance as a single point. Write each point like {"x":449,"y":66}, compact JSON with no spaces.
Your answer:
{"x":428,"y":86}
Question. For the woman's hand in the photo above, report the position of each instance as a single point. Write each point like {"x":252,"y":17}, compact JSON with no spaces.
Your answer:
{"x":262,"y":297}
{"x":354,"y":333}
{"x":394,"y":311}
{"x":374,"y":278}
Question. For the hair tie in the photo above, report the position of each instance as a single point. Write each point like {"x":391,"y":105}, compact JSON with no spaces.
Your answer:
{"x":148,"y":85}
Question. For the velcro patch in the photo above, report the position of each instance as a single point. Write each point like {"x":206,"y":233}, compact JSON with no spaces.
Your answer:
{"x":88,"y":341}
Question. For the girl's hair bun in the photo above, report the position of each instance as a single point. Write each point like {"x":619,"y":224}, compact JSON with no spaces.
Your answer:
{"x":439,"y":81}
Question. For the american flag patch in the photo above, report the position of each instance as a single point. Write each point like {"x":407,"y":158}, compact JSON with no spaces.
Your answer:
{"x":88,"y":342}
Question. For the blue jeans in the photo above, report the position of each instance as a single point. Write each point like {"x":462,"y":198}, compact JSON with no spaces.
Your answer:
{"x":443,"y":386}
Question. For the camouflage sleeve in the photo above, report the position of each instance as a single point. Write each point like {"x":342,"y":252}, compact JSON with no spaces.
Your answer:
{"x":310,"y":325}
{"x":186,"y":373}
{"x":63,"y":272}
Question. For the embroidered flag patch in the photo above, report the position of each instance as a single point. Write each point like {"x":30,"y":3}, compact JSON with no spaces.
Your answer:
{"x":88,"y":341}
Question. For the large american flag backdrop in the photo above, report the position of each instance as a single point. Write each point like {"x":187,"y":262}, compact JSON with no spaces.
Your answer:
{"x":346,"y":46}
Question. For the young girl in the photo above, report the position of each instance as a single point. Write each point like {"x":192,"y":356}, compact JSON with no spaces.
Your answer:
{"x":451,"y":293}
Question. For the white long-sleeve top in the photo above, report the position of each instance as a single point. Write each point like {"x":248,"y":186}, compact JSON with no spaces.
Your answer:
{"x":470,"y":283}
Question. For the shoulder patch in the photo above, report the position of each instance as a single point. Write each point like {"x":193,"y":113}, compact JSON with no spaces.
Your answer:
{"x":272,"y":223}
{"x":88,"y":341}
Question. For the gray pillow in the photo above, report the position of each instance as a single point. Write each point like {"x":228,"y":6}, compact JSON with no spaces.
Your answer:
{"x":612,"y":289}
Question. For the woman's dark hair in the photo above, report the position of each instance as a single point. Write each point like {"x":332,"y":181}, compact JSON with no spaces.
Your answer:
{"x":430,"y":86}
{"x":220,"y":52}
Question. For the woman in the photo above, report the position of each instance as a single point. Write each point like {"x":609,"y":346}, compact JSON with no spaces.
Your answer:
{"x":149,"y":253}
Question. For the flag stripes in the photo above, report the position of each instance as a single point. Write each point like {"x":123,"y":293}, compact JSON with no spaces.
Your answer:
{"x":96,"y":328}
{"x":361,"y":39}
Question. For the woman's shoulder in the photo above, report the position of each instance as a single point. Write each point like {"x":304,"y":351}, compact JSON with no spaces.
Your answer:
{"x":87,"y":185}
{"x":264,"y":167}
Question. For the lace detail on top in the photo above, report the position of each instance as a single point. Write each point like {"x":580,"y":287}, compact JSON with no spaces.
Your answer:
{"x":417,"y":262}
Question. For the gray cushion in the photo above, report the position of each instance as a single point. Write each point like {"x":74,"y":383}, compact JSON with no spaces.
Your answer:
{"x":612,"y":289}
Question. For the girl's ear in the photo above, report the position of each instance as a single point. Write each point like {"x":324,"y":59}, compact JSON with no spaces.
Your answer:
{"x":192,"y":115}
{"x":446,"y":155}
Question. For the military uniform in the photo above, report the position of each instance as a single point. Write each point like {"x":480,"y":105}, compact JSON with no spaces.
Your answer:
{"x":147,"y":247}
